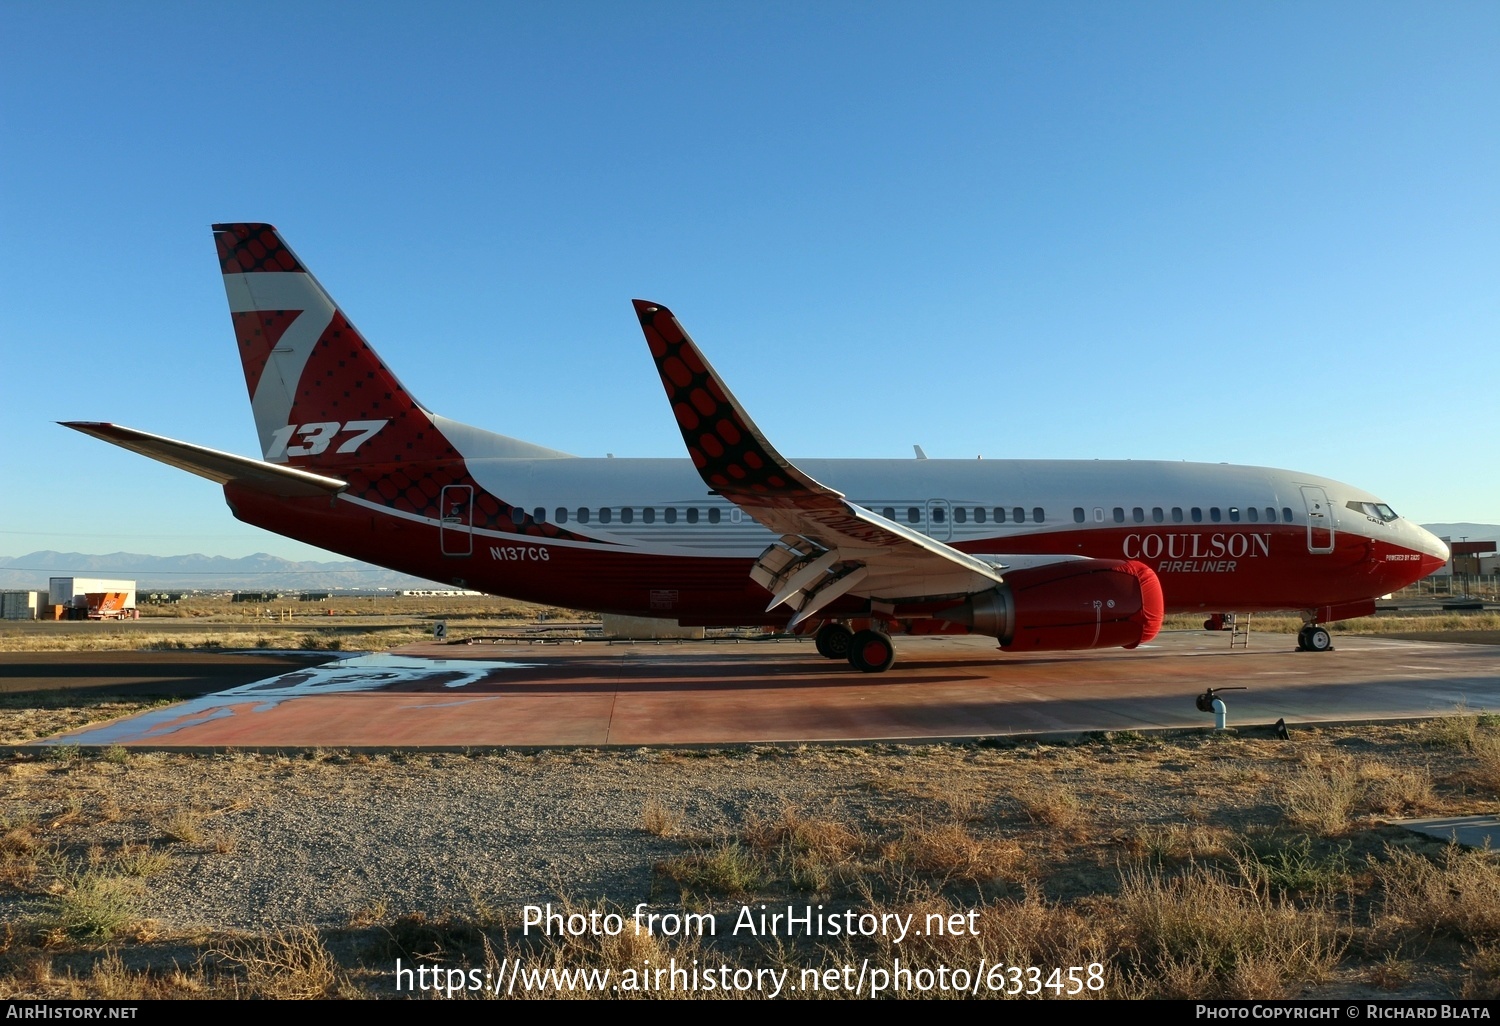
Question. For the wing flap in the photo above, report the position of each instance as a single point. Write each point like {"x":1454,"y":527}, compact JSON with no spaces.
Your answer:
{"x":220,"y":467}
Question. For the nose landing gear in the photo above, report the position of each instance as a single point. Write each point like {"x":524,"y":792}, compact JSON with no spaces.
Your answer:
{"x":1313,"y":638}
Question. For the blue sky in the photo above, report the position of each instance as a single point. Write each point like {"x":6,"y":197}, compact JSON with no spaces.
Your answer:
{"x":1257,"y":233}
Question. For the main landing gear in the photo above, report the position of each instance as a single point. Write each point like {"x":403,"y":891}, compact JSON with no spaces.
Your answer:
{"x":1313,"y":638}
{"x":833,"y":640}
{"x":869,"y":651}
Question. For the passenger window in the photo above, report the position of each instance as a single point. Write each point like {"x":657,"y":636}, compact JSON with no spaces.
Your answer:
{"x":539,"y":515}
{"x":1176,"y":514}
{"x":1234,"y":514}
{"x":1253,"y":514}
{"x":999,"y":514}
{"x":1098,"y":514}
{"x":517,"y":515}
{"x":562,"y":514}
{"x":960,"y":515}
{"x":1286,"y":514}
{"x":1138,"y":515}
{"x":605,"y":514}
{"x":670,"y":514}
{"x":889,"y":513}
{"x":1077,"y":514}
{"x":913,"y":515}
{"x":1157,"y":516}
{"x":1038,"y":515}
{"x":1197,"y":512}
{"x":648,"y":515}
{"x":1020,"y":515}
{"x":1270,"y":514}
{"x":692,"y":515}
{"x":1214,"y":514}
{"x":1119,"y":514}
{"x":583,"y":514}
{"x":979,"y":515}
{"x":713,"y":516}
{"x":627,"y":515}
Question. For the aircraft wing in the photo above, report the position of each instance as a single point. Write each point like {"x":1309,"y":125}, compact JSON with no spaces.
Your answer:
{"x":222,"y":467}
{"x":829,"y":546}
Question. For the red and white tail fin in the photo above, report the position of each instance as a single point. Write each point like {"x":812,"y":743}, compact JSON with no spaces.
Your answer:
{"x":322,"y":397}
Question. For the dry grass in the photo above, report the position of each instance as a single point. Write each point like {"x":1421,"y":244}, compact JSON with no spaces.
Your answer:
{"x":1396,"y":790}
{"x":658,"y":820}
{"x":791,"y":830}
{"x":284,"y":966}
{"x":1206,"y":934}
{"x":1321,"y":794}
{"x":1457,"y":895}
{"x":726,"y":868}
{"x":184,"y":826}
{"x":1485,"y":750}
{"x":1456,"y":731}
{"x":1179,"y":842}
{"x":949,"y":851}
{"x":91,"y":905}
{"x":1050,"y":803}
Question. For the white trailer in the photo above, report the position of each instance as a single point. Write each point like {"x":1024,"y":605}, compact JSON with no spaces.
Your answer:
{"x":73,"y":591}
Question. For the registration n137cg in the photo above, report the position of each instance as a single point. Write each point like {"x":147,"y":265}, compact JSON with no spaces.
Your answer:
{"x":1037,"y":554}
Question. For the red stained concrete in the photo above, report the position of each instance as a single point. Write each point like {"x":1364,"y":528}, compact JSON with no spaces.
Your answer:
{"x":713,"y":693}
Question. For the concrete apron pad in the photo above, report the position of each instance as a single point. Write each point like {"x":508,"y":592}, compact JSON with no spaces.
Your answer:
{"x":703,"y":692}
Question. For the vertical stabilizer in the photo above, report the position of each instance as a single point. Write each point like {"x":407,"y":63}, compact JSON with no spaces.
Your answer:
{"x":322,"y":397}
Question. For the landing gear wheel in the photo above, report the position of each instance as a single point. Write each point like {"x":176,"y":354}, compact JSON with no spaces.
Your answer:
{"x":833,"y":641}
{"x":871,"y":652}
{"x":1313,"y":638}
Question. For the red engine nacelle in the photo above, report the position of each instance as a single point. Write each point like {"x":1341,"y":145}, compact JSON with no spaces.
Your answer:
{"x":1080,"y":603}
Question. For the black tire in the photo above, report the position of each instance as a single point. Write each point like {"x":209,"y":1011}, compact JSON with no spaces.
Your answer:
{"x":1302,"y":645}
{"x":1319,"y":640}
{"x":871,"y":652}
{"x":833,"y":641}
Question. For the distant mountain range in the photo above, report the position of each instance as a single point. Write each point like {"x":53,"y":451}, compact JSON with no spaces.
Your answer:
{"x":260,"y":572}
{"x":265,"y":572}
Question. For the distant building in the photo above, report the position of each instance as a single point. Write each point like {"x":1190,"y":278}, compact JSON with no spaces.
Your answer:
{"x":73,"y":591}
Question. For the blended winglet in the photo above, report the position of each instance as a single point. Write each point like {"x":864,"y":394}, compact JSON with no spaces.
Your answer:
{"x":730,"y":452}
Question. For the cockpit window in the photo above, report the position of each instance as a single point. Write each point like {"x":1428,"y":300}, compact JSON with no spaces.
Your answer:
{"x":1377,"y":511}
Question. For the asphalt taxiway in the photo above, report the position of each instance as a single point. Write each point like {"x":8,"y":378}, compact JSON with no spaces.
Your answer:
{"x":706,"y":693}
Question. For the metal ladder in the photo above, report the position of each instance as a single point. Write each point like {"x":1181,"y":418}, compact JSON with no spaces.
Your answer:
{"x":1240,"y":630}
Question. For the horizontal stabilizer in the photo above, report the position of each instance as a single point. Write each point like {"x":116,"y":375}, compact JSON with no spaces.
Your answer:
{"x":222,"y":467}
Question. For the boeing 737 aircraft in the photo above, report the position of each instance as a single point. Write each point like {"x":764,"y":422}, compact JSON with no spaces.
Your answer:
{"x":1037,"y":554}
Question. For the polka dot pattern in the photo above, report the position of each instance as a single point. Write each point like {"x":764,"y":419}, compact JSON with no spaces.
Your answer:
{"x":345,"y":380}
{"x":726,"y":447}
{"x":252,"y":247}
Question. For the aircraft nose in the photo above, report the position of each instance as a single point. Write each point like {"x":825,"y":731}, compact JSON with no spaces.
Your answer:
{"x":1434,"y":550}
